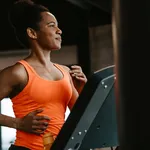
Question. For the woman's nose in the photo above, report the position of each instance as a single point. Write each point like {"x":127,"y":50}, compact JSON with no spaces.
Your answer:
{"x":59,"y":31}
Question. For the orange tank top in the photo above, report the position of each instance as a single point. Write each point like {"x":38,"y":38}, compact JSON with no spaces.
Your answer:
{"x":52,"y":96}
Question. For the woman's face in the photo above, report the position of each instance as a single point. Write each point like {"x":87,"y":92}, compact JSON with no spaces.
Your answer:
{"x":49,"y":35}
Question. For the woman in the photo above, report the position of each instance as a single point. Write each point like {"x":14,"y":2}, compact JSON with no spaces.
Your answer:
{"x":40,"y":90}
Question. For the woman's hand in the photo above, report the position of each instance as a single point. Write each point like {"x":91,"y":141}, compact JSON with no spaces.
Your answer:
{"x":78,"y":77}
{"x":33,"y":123}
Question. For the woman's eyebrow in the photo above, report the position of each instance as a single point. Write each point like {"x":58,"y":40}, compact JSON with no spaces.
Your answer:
{"x":52,"y":22}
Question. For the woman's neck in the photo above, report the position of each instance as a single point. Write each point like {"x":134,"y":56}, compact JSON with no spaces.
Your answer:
{"x":40,"y":56}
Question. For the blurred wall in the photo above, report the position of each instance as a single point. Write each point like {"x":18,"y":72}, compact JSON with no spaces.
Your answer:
{"x":101,"y":47}
{"x":67,"y":55}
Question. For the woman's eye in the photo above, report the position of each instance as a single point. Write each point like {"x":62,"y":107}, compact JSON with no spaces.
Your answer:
{"x":52,"y":25}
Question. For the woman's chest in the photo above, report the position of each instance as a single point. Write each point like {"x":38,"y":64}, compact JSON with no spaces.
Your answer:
{"x":51,"y":74}
{"x":50,"y":91}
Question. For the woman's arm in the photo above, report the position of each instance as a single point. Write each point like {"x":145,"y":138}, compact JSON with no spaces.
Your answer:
{"x":77,"y":80}
{"x":10,"y":78}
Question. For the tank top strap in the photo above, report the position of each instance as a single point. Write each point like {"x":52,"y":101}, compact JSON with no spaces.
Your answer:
{"x":26,"y":65}
{"x":29,"y":69}
{"x":60,"y":67}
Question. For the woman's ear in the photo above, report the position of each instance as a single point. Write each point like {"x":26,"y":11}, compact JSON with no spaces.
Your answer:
{"x":31,"y":33}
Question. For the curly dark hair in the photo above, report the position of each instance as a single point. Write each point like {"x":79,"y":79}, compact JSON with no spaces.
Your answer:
{"x":24,"y":14}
